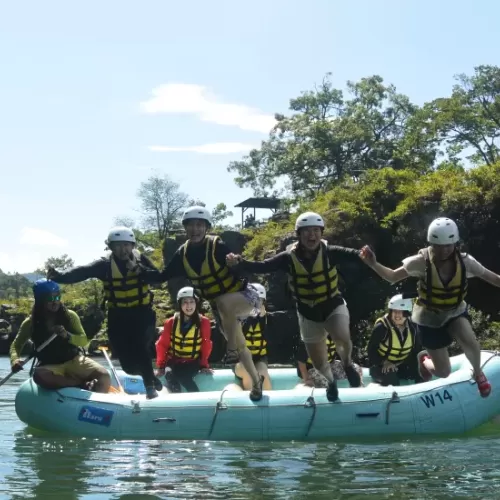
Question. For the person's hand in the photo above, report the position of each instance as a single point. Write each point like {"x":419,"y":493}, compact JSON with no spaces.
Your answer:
{"x":61,"y":331}
{"x":367,"y":255}
{"x":389,"y":367}
{"x":309,"y":382}
{"x":206,"y":371}
{"x":17,"y":366}
{"x":159,"y":372}
{"x":132,"y":265}
{"x":51,"y":273}
{"x":232,"y":259}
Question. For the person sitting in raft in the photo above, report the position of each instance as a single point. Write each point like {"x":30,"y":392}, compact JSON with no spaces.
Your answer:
{"x":394,"y":345}
{"x":131,"y":317}
{"x":202,"y":259}
{"x":254,"y":329}
{"x":312,"y":377}
{"x":184,"y":345}
{"x":440,"y":312}
{"x":61,"y":363}
{"x":311,"y":265}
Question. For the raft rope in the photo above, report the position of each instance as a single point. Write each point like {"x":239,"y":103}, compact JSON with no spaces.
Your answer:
{"x":310,"y":403}
{"x":219,"y":406}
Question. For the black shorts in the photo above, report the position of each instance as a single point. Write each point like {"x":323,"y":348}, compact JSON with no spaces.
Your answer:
{"x":438,"y":338}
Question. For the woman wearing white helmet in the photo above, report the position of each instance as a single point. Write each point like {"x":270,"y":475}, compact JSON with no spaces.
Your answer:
{"x":202,"y":260}
{"x":184,"y":346}
{"x":131,"y":317}
{"x":440,"y":312}
{"x":311,"y":265}
{"x":255,"y":331}
{"x":394,"y":345}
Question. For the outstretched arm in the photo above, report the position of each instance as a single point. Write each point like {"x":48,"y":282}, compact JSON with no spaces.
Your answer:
{"x":277,"y":263}
{"x":491,"y":278}
{"x":367,"y":255}
{"x":96,"y":269}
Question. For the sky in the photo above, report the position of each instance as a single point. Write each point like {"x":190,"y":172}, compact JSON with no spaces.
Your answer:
{"x":97,"y":96}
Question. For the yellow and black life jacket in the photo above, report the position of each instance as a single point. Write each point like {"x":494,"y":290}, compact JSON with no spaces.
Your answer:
{"x":186,"y":346}
{"x":214,"y":280}
{"x":332,"y":350}
{"x":125,"y":290}
{"x":253,"y":329}
{"x":315,"y":286}
{"x":391,"y":347}
{"x":433,"y":294}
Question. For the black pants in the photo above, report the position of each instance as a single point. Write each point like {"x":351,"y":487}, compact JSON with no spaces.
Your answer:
{"x":130,"y":333}
{"x":406,"y":371}
{"x":178,"y":374}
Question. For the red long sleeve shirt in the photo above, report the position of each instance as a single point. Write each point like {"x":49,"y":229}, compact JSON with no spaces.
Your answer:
{"x":163,"y":344}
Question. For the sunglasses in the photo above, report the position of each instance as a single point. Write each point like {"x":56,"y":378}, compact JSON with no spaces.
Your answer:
{"x":53,"y":298}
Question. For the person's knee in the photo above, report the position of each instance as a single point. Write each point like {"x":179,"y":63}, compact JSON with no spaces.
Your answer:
{"x":442,"y":371}
{"x":39,"y":376}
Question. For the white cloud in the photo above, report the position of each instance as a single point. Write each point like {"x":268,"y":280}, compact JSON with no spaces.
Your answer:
{"x":39,"y":237}
{"x":217,"y":148}
{"x":21,"y":262}
{"x":198,"y":100}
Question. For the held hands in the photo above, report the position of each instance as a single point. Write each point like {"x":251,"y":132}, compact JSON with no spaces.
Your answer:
{"x":17,"y":366}
{"x":206,"y":371}
{"x":389,"y":367}
{"x":233,"y":259}
{"x":60,"y":330}
{"x":367,"y":255}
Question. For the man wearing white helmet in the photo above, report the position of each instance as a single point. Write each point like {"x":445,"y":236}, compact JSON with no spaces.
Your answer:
{"x":255,"y":331}
{"x":394,"y":345}
{"x":440,"y":312}
{"x":131,"y":318}
{"x":311,"y":265}
{"x":202,"y":260}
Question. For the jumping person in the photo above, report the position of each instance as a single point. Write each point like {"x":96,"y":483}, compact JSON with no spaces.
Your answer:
{"x":255,"y":332}
{"x":183,"y":349}
{"x":61,"y":363}
{"x":311,"y":265}
{"x":440,"y":312}
{"x":202,"y":260}
{"x":394,"y":345}
{"x":131,"y":318}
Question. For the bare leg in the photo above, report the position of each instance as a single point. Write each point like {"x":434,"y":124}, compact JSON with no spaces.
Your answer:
{"x":318,"y":353}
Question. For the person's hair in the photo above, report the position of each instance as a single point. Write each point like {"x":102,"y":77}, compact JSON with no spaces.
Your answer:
{"x":39,"y":312}
{"x":195,"y":317}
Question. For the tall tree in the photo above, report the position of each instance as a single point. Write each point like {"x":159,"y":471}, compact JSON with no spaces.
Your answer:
{"x":162,"y":204}
{"x":467,"y":122}
{"x":328,"y":137}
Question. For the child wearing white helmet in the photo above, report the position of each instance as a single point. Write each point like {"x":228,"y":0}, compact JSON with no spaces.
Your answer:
{"x":131,"y":317}
{"x":311,"y":266}
{"x":202,"y":260}
{"x":185,"y":344}
{"x":440,"y":312}
{"x":394,"y":345}
{"x":255,"y":331}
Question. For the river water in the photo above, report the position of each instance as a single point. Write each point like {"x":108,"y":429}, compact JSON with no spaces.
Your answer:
{"x":48,"y":467}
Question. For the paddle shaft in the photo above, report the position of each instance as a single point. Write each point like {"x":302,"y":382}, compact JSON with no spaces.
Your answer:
{"x":112,"y":369}
{"x":31,"y":356}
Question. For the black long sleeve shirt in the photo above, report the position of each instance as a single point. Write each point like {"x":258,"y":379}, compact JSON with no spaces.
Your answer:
{"x":98,"y":269}
{"x":337,"y":255}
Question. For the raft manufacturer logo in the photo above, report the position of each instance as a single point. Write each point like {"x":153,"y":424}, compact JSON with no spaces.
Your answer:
{"x":94,"y":415}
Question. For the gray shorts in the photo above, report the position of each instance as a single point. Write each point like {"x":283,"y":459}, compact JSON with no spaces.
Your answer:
{"x":312,"y":332}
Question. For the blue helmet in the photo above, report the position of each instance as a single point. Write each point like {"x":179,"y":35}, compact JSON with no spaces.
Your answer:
{"x":44,"y":287}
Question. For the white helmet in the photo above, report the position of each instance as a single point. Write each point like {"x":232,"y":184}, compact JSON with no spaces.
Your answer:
{"x":197,"y":213}
{"x":309,"y":219}
{"x":442,"y":231}
{"x":120,"y":233}
{"x":260,"y":290}
{"x":187,"y":291}
{"x":399,"y":304}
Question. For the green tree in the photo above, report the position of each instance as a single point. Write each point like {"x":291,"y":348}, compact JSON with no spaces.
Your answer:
{"x":468,"y":122}
{"x":61,"y":263}
{"x":329,"y":136}
{"x":162,"y":204}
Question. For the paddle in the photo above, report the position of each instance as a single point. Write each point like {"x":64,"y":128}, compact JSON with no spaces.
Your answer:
{"x":106,"y":355}
{"x":31,"y":356}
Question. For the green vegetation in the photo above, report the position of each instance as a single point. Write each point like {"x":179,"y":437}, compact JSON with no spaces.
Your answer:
{"x":378,"y":168}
